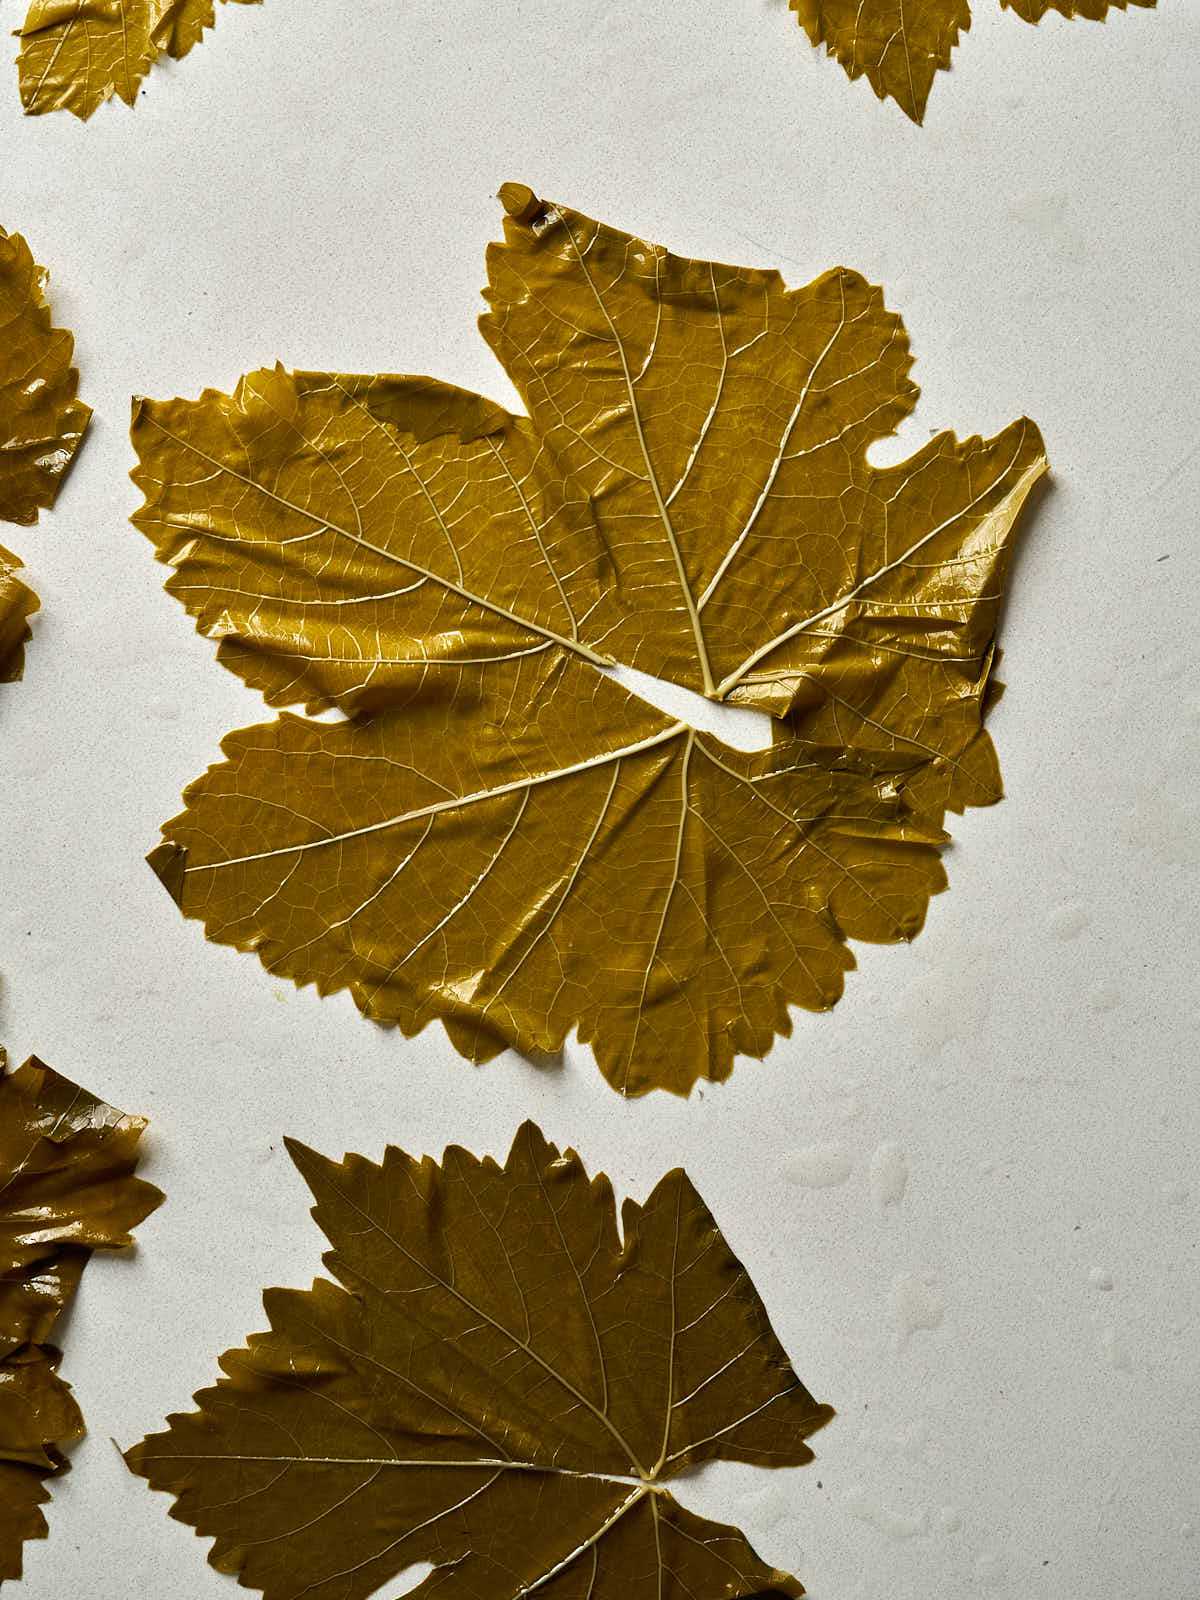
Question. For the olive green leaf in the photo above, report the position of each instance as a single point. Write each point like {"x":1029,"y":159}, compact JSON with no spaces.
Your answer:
{"x":496,"y":1384}
{"x":76,"y":54}
{"x":901,"y":45}
{"x":499,"y":834}
{"x":66,"y":1188}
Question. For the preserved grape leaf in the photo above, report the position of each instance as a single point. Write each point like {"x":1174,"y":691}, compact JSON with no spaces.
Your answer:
{"x":901,"y":45}
{"x":500,"y":835}
{"x":76,"y":54}
{"x":42,"y":422}
{"x":1093,"y":10}
{"x":17,"y":605}
{"x":496,"y":1384}
{"x":67,"y":1187}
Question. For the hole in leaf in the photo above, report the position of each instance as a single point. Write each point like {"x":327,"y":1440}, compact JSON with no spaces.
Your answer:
{"x":737,"y":726}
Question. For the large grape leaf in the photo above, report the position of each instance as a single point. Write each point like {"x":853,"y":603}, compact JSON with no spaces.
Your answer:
{"x":901,"y":45}
{"x":66,"y":1188}
{"x":498,"y":1385}
{"x":500,"y":835}
{"x":76,"y":54}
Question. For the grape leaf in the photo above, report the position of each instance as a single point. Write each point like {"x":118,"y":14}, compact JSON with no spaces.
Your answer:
{"x":76,"y":54}
{"x":17,"y":605}
{"x":1093,"y":10}
{"x":42,"y":423}
{"x":496,"y":1384}
{"x":901,"y":45}
{"x":500,"y":835}
{"x":66,"y":1188}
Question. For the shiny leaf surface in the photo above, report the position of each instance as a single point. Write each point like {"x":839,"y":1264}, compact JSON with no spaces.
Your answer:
{"x":496,"y":1384}
{"x":901,"y":45}
{"x":501,"y":836}
{"x":76,"y":54}
{"x":41,"y":421}
{"x":66,"y":1188}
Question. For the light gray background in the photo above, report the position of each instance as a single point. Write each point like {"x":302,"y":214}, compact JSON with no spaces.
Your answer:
{"x":315,"y":185}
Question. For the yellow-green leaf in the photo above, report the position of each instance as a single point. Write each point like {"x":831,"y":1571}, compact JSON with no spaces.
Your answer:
{"x":502,"y":836}
{"x":76,"y":54}
{"x":901,"y":45}
{"x":66,"y":1188}
{"x":496,"y":1384}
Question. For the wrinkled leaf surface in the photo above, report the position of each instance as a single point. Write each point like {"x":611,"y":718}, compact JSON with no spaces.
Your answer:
{"x":76,"y":54}
{"x":41,"y":421}
{"x":66,"y":1188}
{"x":497,"y":1385}
{"x":501,"y":836}
{"x":901,"y":45}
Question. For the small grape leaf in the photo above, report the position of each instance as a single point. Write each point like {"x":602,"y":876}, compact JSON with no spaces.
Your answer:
{"x":500,"y":835}
{"x":496,"y":1384}
{"x":17,"y":605}
{"x":66,"y":1188}
{"x":901,"y":45}
{"x":76,"y":54}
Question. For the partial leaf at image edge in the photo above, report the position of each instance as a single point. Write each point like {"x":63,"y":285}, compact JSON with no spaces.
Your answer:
{"x":42,"y":422}
{"x":501,"y":836}
{"x":496,"y":1383}
{"x":901,"y":45}
{"x":17,"y":604}
{"x":74,"y":58}
{"x":67,"y":1187}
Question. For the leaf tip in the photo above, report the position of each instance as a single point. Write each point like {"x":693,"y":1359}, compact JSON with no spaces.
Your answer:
{"x":520,"y":202}
{"x":169,"y":862}
{"x":309,"y":1163}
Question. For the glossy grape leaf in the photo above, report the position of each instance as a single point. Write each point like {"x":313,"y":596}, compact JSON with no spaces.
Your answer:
{"x":901,"y":45}
{"x":76,"y":54}
{"x":497,"y":1384}
{"x":66,"y":1188}
{"x":501,"y":836}
{"x":42,"y":422}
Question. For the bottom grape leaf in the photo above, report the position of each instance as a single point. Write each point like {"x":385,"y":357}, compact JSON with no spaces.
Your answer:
{"x":66,"y":1188}
{"x":497,"y":1384}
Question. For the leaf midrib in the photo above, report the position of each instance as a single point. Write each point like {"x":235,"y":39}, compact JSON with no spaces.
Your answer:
{"x":323,"y":522}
